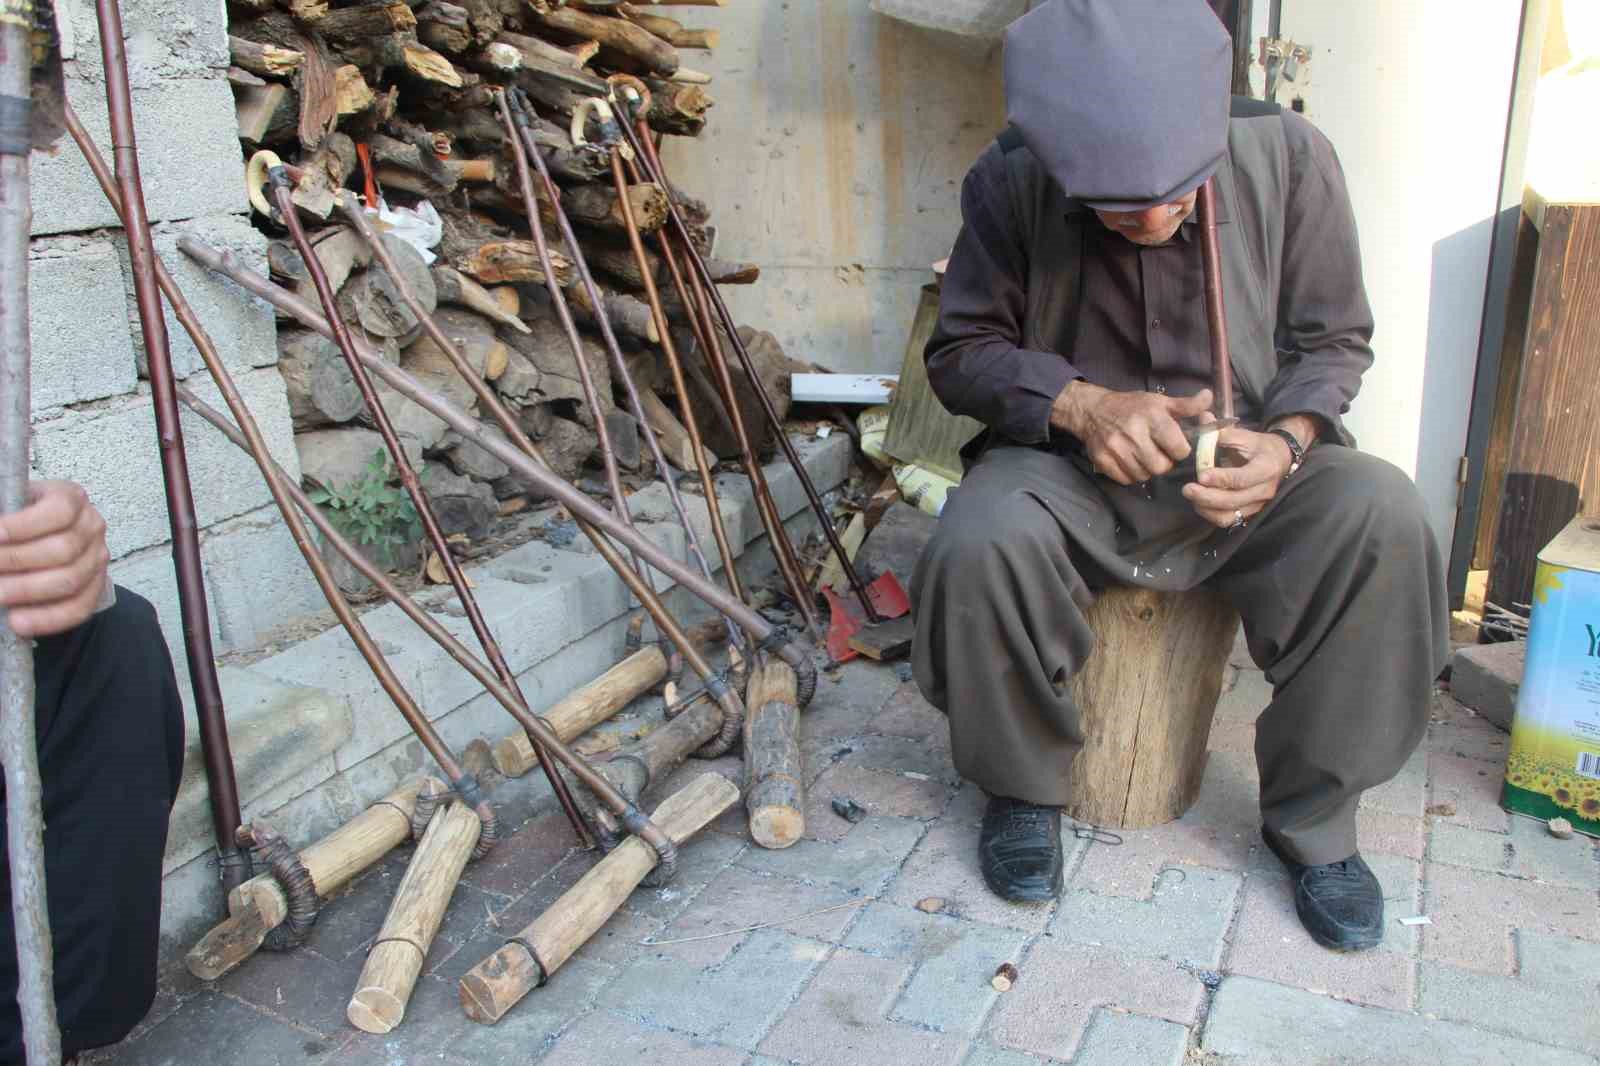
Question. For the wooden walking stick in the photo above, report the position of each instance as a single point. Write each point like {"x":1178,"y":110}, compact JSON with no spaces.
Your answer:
{"x":705,"y":332}
{"x":220,"y":781}
{"x":538,"y":950}
{"x":517,"y":117}
{"x":644,"y":148}
{"x":19,"y":751}
{"x":395,"y":962}
{"x":282,"y":192}
{"x":775,"y":789}
{"x":1206,"y":455}
{"x":268,"y":900}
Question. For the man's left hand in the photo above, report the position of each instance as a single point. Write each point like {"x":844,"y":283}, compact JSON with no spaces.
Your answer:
{"x":1224,"y":496}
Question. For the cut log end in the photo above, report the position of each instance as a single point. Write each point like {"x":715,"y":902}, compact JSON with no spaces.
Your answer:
{"x":484,"y":994}
{"x":228,"y":944}
{"x":776,"y":827}
{"x":375,"y":1010}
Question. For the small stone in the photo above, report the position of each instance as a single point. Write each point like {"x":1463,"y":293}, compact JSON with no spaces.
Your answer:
{"x":931,"y":905}
{"x":903,"y":671}
{"x":1442,"y":810}
{"x":1004,"y":977}
{"x":1560,"y":828}
{"x":848,"y":809}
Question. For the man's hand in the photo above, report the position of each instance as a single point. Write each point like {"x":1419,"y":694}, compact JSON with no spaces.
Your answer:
{"x":1225,"y":495}
{"x":1129,"y":436}
{"x":52,"y":560}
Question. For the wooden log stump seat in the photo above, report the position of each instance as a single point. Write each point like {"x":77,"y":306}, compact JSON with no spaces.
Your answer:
{"x":1146,"y":696}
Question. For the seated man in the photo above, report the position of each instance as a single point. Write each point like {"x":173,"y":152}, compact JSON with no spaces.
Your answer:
{"x":1072,"y":325}
{"x":110,"y":734}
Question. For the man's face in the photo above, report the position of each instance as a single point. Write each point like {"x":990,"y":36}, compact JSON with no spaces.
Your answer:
{"x":1153,"y":225}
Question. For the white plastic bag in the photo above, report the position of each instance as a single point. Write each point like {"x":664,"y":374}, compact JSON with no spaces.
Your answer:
{"x":418,"y":226}
{"x":970,"y":18}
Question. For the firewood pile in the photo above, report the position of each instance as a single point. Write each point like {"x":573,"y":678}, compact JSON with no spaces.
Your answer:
{"x":396,"y":101}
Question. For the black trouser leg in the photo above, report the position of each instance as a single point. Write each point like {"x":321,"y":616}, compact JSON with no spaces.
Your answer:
{"x":110,"y":734}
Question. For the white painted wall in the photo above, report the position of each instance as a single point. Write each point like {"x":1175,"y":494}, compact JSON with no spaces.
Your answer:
{"x":834,"y":158}
{"x":1415,"y":95}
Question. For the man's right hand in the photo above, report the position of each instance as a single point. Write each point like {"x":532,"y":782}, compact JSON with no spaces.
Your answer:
{"x":1129,"y":436}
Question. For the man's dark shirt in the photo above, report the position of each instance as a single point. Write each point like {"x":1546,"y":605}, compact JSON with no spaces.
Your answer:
{"x":1141,"y":322}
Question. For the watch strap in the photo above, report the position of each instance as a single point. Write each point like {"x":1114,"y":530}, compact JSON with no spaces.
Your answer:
{"x":1297,"y":452}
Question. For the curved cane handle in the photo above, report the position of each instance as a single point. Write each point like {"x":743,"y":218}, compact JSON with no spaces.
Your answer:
{"x":255,"y":179}
{"x":628,"y":82}
{"x":580,"y":118}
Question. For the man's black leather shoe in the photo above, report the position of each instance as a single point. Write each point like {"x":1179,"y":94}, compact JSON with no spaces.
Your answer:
{"x":1339,"y":903}
{"x":1019,"y":850}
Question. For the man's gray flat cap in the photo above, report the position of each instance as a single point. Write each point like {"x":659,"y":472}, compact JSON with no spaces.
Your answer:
{"x":1125,"y":102}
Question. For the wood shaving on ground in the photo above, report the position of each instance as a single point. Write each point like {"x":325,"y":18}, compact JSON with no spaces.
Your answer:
{"x":1417,"y":919}
{"x":650,"y":942}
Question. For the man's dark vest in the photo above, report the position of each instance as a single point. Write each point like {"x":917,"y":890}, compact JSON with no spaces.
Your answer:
{"x":1252,"y":186}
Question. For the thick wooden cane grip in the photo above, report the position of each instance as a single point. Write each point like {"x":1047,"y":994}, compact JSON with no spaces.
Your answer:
{"x":775,"y":792}
{"x":259,"y":905}
{"x":500,"y":981}
{"x":396,"y":958}
{"x":586,"y":708}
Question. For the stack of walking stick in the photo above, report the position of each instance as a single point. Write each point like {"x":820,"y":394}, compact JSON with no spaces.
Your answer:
{"x":342,"y":280}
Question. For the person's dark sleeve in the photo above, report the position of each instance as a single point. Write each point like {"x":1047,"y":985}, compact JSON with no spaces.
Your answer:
{"x":1324,"y":329}
{"x":975,"y":364}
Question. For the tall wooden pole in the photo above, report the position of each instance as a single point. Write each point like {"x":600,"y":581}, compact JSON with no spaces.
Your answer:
{"x":18,"y":746}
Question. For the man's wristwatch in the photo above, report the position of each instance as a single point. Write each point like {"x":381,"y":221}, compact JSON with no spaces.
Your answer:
{"x":1297,"y":454}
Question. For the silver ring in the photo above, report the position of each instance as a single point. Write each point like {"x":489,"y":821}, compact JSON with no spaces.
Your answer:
{"x":1238,"y":519}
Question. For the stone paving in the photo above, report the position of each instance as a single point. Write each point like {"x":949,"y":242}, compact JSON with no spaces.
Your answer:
{"x":1178,"y":947}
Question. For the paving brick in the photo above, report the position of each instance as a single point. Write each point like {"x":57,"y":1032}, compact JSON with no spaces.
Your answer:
{"x":523,"y":858}
{"x":849,"y":700}
{"x":438,"y":1026}
{"x":1392,"y":834}
{"x":700,"y":860}
{"x":840,"y":1018}
{"x":1184,"y":919}
{"x":735,"y":1003}
{"x":1474,"y":912}
{"x":78,"y":324}
{"x":1269,"y":942}
{"x":900,"y":755}
{"x":1456,"y":845}
{"x":986,"y":1054}
{"x":603,"y":1037}
{"x":945,"y":866}
{"x":967,"y":807}
{"x":301,"y":987}
{"x":1566,"y":1016}
{"x":908,"y":715}
{"x":1130,"y":869}
{"x":1237,"y":737}
{"x":1246,"y":699}
{"x":1117,"y":1039}
{"x":862,"y":862}
{"x":1257,"y":1022}
{"x":1471,"y":786}
{"x":1537,"y":854}
{"x":1230,"y":792}
{"x":1486,"y":677}
{"x":1051,"y":1005}
{"x":899,"y":795}
{"x":349,"y":920}
{"x":211,"y":1027}
{"x":737,"y":898}
{"x":949,"y":990}
{"x":1556,"y":961}
{"x":1405,"y":792}
{"x":1455,"y":729}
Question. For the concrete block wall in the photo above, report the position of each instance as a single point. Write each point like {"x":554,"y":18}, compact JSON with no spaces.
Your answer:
{"x":93,"y":418}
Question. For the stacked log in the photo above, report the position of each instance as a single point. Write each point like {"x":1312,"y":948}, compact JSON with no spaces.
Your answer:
{"x":397,"y":100}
